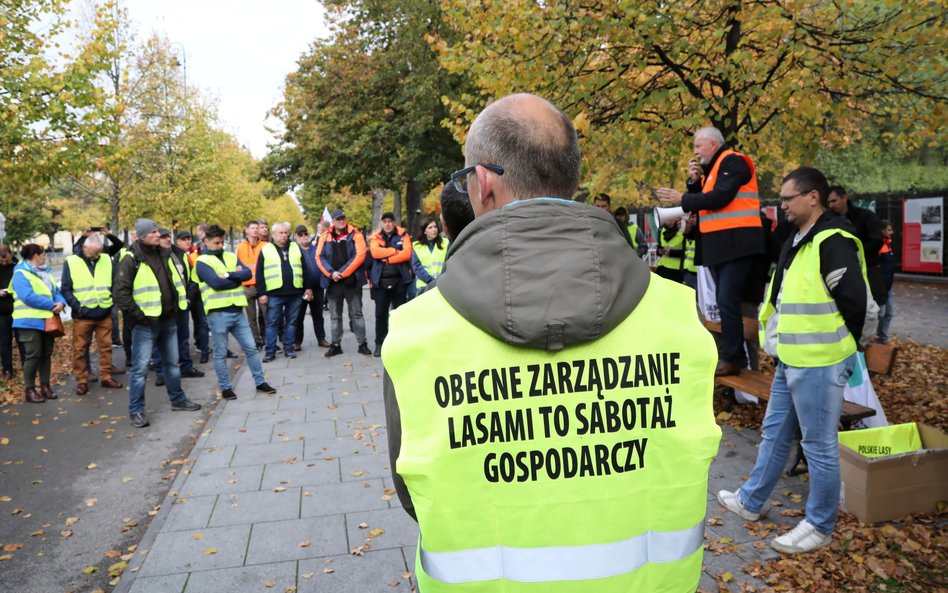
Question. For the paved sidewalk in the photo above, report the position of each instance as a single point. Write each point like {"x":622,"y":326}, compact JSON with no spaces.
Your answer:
{"x":294,"y":490}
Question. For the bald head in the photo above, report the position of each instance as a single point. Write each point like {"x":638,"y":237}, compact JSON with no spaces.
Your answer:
{"x":533,"y":141}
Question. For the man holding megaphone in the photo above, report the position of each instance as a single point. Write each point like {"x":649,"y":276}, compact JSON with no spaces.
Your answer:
{"x":722,"y":189}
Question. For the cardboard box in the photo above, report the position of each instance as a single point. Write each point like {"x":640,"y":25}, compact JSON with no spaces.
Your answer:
{"x":885,"y":488}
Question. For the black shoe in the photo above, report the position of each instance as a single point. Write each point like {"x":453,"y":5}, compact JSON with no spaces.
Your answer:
{"x":193,"y":373}
{"x":139,"y":420}
{"x":185,"y":405}
{"x":378,"y":351}
{"x":230,"y":354}
{"x":260,"y":346}
{"x":269,"y":357}
{"x":278,"y":348}
{"x":117,"y":344}
{"x":266,"y":388}
{"x":290,"y":354}
{"x":364,"y":349}
{"x":159,"y":381}
{"x":204,"y":357}
{"x":333,"y":350}
{"x":228,"y":394}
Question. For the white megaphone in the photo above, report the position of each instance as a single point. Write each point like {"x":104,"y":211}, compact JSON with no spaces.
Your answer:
{"x":666,"y":215}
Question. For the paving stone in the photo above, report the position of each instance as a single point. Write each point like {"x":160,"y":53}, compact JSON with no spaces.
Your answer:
{"x":370,"y":466}
{"x":375,"y":571}
{"x":340,"y":498}
{"x":749,"y":552}
{"x":267,"y":453}
{"x":262,"y":578}
{"x":212,"y":458}
{"x":247,"y":405}
{"x":400,"y":529}
{"x":308,"y":473}
{"x":281,"y":540}
{"x":178,"y":551}
{"x":349,"y":411}
{"x":334,"y":447}
{"x":256,"y":507}
{"x":190,"y":512}
{"x":308,"y":430}
{"x":249,"y":435}
{"x":228,"y":420}
{"x":376,"y":411}
{"x":294,"y":402}
{"x":223,"y":480}
{"x":275,"y":417}
{"x":173,"y":583}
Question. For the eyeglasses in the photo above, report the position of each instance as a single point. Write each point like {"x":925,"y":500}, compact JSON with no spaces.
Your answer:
{"x":787,"y":199}
{"x":459,"y":178}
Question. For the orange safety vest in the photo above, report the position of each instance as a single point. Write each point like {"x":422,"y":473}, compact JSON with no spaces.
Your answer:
{"x":248,"y":254}
{"x":744,"y":209}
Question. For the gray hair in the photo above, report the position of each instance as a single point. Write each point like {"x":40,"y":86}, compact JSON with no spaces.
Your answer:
{"x":538,"y":160}
{"x":280,"y":225}
{"x":93,"y":240}
{"x":711,"y":133}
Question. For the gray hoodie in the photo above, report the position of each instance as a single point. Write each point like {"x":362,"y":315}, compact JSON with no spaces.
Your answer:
{"x":542,"y":273}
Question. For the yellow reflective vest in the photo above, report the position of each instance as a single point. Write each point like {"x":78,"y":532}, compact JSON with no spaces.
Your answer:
{"x":23,"y":311}
{"x":573,"y":471}
{"x":92,"y":291}
{"x":218,"y":299}
{"x":273,"y":266}
{"x":147,"y":293}
{"x":432,"y":260}
{"x":669,"y":261}
{"x":811,"y":332}
{"x":633,"y":232}
{"x":689,"y":264}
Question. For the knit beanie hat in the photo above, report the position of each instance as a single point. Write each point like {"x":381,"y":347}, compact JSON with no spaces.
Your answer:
{"x":143,"y":226}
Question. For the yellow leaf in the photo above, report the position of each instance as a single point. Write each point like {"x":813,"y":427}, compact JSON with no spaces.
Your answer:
{"x":308,"y":575}
{"x":305,"y":543}
{"x":12,"y":547}
{"x":269,"y":584}
{"x":358,"y":473}
{"x":90,"y":570}
{"x":376,"y":531}
{"x":37,"y":532}
{"x":90,"y":502}
{"x":112,"y":554}
{"x":127,"y":479}
{"x":91,"y":466}
{"x":6,"y":557}
{"x":210,"y":551}
{"x":858,"y":559}
{"x":197,"y":536}
{"x":4,"y":441}
{"x":66,"y":532}
{"x":327,"y":570}
{"x":5,"y":499}
{"x":71,"y":521}
{"x":279,"y":489}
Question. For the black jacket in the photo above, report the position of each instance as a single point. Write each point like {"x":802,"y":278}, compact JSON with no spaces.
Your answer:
{"x":868,"y":228}
{"x":722,"y":246}
{"x":6,"y":275}
{"x":836,"y":253}
{"x":155,"y":257}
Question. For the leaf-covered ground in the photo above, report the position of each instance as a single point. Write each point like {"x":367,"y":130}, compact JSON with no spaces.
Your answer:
{"x":904,"y":555}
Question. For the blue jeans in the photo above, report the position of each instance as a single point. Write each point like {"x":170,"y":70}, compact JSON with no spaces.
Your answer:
{"x":164,"y":333}
{"x":813,"y":397}
{"x":730,"y":281}
{"x":186,"y":363}
{"x":200,"y":327}
{"x":287,"y":308}
{"x":885,"y":317}
{"x":233,"y":322}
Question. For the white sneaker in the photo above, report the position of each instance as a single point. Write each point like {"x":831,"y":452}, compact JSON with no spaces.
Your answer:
{"x":802,"y":538}
{"x":732,"y":502}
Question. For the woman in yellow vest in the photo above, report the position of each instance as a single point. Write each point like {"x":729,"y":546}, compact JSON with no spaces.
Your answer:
{"x":427,"y":258}
{"x":36,"y":298}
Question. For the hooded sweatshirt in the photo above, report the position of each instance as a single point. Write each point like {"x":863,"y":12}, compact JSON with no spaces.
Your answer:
{"x":542,"y":273}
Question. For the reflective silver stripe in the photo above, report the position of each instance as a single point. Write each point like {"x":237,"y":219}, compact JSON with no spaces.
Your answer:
{"x":804,"y":339}
{"x":146,"y":305}
{"x":144,"y":289}
{"x":729,"y":214}
{"x":86,"y":289}
{"x":748,"y":194}
{"x":808,"y":308}
{"x":561,"y":563}
{"x":223,"y":295}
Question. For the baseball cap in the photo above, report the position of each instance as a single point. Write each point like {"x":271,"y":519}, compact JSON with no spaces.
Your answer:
{"x":338,"y":213}
{"x":301,"y":229}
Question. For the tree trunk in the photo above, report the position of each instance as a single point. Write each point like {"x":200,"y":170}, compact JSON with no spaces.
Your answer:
{"x":115,"y":204}
{"x":397,"y":208}
{"x":413,"y":196}
{"x":378,"y":195}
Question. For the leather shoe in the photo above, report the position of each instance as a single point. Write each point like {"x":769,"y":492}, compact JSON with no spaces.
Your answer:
{"x":33,"y":397}
{"x":726,"y":368}
{"x":230,"y":355}
{"x":334,"y":349}
{"x":204,"y":357}
{"x":192,"y":373}
{"x":185,"y":405}
{"x":269,"y":357}
{"x":159,"y":381}
{"x":324,"y":344}
{"x":47,"y":392}
{"x":297,"y":346}
{"x":364,"y":349}
{"x":117,"y":371}
{"x":82,"y":388}
{"x":378,"y":351}
{"x":139,"y":420}
{"x":265,"y":388}
{"x":228,"y":393}
{"x":111,"y":384}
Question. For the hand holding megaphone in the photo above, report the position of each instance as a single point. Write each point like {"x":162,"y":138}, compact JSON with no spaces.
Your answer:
{"x":668,"y":196}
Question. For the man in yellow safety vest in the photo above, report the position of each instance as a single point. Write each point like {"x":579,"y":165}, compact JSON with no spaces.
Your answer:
{"x":548,"y":428}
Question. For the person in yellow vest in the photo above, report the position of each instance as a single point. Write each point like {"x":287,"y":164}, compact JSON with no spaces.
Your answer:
{"x":221,"y":277}
{"x":150,"y":293}
{"x":429,"y":251}
{"x":36,"y":298}
{"x":818,"y":311}
{"x":671,"y":248}
{"x":282,"y":279}
{"x":548,"y":428}
{"x":689,"y":267}
{"x":722,"y":189}
{"x":87,"y":288}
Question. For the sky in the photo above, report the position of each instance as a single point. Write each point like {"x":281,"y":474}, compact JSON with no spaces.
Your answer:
{"x":237,"y":51}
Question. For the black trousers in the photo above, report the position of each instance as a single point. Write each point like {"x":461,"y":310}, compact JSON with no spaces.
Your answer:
{"x":315,"y":307}
{"x":385,"y":301}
